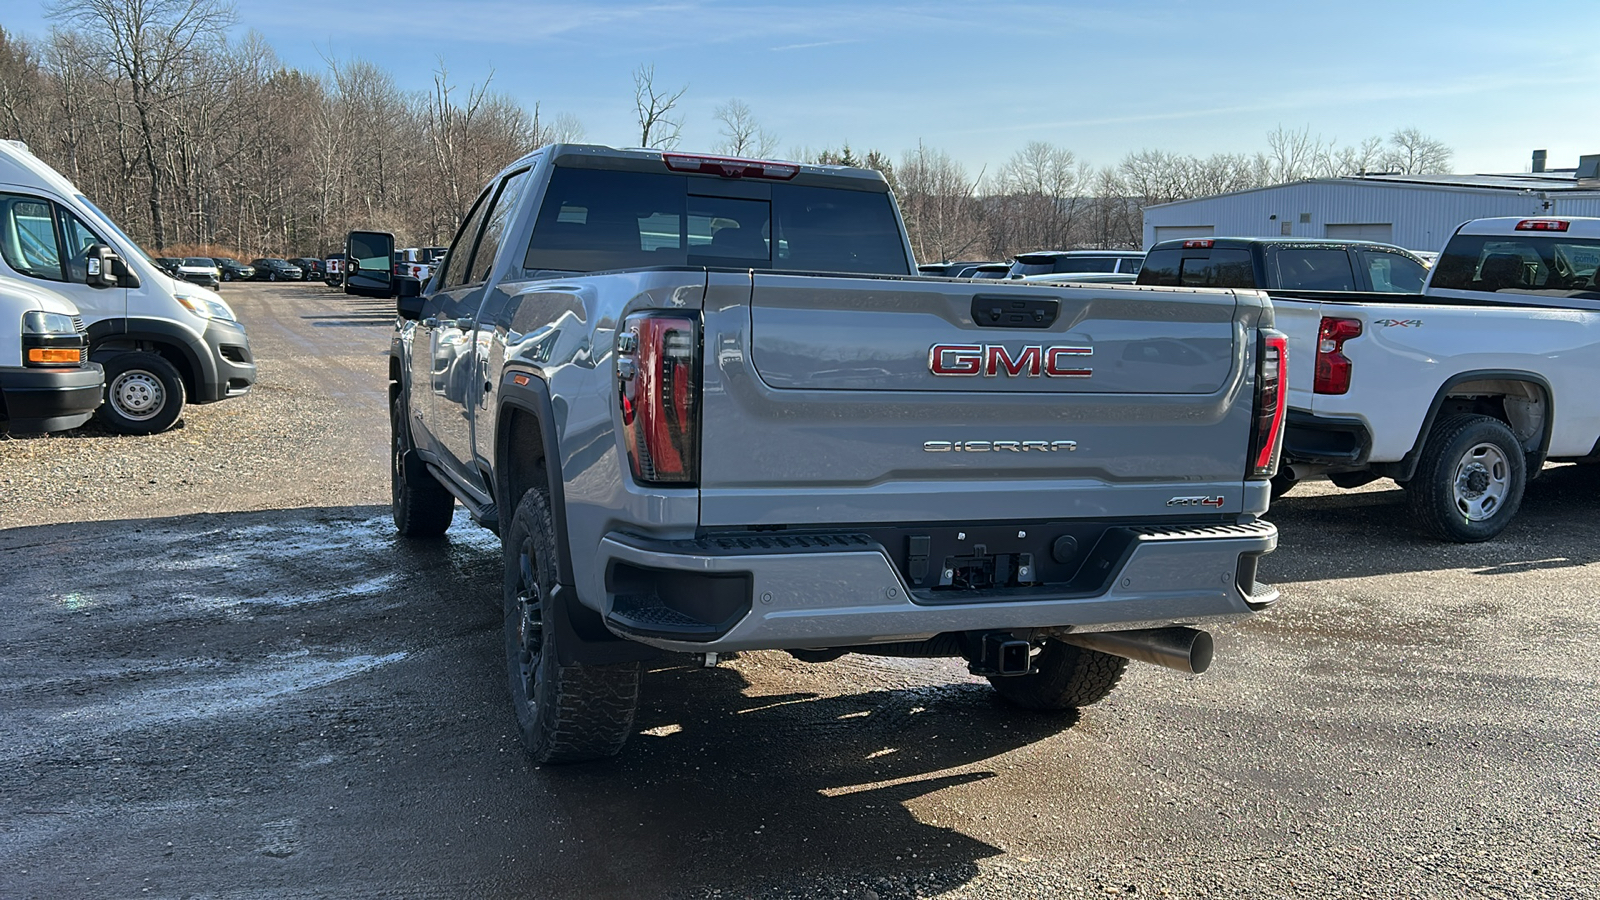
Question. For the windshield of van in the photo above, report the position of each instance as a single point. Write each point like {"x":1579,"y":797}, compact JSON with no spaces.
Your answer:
{"x":107,"y":224}
{"x":1545,"y":266}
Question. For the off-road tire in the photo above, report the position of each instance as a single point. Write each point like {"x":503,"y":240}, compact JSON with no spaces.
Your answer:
{"x":143,"y":394}
{"x":422,"y":506}
{"x":1064,"y":676}
{"x":566,"y":714}
{"x":1439,"y":498}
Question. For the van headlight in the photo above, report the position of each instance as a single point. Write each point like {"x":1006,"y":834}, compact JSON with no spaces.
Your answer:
{"x":205,"y":307}
{"x":51,"y":339}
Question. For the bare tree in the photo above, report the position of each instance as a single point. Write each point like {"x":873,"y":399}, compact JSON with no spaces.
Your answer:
{"x":943,"y":216}
{"x":741,"y":134}
{"x":657,"y":126}
{"x":1042,"y":191}
{"x":147,"y":43}
{"x":1413,"y":153}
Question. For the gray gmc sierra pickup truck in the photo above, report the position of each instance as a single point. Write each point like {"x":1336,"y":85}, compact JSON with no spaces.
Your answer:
{"x":709,"y":407}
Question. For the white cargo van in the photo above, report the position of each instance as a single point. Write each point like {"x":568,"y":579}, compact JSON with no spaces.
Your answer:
{"x":160,"y":340}
{"x":46,"y":380}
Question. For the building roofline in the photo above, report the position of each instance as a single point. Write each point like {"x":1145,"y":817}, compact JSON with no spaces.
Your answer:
{"x":1569,"y":189}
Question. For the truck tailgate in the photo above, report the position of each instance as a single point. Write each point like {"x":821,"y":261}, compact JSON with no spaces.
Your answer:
{"x":839,"y":399}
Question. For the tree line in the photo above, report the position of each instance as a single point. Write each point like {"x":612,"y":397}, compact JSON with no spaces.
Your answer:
{"x":190,"y":138}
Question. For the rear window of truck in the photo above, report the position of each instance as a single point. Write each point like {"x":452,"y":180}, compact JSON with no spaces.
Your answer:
{"x":1220,"y":267}
{"x":1558,"y":267}
{"x":595,"y":219}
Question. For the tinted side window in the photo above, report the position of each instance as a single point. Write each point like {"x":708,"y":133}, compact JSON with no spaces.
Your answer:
{"x":1223,"y":268}
{"x":1303,"y":269}
{"x":1392,"y":273}
{"x":457,"y":264}
{"x":28,"y":237}
{"x":494,"y":228}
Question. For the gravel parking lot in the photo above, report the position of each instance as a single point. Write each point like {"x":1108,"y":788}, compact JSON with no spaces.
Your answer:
{"x":222,"y":675}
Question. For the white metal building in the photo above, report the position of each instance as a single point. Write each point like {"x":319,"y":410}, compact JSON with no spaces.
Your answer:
{"x":1418,"y":212}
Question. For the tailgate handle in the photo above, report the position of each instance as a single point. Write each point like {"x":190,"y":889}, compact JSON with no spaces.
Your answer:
{"x":1000,"y":311}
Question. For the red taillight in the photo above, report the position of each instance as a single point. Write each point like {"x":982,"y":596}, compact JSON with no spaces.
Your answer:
{"x":730,"y":167}
{"x":1272,"y":402}
{"x":1197,"y":245}
{"x":1543,"y":225}
{"x":1333,"y":367}
{"x":658,"y":383}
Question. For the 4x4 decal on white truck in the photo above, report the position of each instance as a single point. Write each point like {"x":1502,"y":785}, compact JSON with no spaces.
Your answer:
{"x":1398,"y":323}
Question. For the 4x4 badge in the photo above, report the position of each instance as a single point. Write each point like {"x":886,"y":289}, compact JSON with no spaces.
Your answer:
{"x":1195,"y":501}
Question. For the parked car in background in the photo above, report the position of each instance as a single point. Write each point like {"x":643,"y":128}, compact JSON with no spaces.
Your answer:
{"x":268,"y":269}
{"x":1048,"y":262}
{"x":1290,"y":264}
{"x":310,"y":267}
{"x":950,"y":269}
{"x":162,"y":342}
{"x":333,"y":269}
{"x":168,"y":264}
{"x":990,"y":271}
{"x":201,"y":270}
{"x":47,"y":382}
{"x":233,"y":270}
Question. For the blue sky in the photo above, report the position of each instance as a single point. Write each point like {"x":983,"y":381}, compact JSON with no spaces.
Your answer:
{"x":1493,"y":80}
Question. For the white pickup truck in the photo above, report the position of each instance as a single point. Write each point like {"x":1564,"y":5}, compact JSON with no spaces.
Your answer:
{"x":1461,"y":392}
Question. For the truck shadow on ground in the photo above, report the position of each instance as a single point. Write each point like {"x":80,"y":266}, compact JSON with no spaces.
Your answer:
{"x":1369,"y":532}
{"x":307,"y":666}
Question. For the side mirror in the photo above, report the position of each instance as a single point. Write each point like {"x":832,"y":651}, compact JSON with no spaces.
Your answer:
{"x":409,"y":308}
{"x":368,"y":281}
{"x":101,"y":265}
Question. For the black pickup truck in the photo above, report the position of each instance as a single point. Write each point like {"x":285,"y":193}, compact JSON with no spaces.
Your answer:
{"x":1284,"y":264}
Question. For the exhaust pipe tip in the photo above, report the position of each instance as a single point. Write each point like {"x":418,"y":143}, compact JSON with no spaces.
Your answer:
{"x":1187,"y":650}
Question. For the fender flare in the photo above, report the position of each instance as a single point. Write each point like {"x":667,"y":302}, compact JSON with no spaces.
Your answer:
{"x":1407,"y":466}
{"x":201,"y":367}
{"x":532,"y":399}
{"x":582,"y":635}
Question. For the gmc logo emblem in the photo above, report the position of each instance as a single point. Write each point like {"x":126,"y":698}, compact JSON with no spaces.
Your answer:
{"x":990,"y":360}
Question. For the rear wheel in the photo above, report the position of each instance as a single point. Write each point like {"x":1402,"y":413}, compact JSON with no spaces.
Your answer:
{"x":1469,"y":481}
{"x":566,"y":713}
{"x":144,"y":393}
{"x":422,"y":506}
{"x":1064,"y":676}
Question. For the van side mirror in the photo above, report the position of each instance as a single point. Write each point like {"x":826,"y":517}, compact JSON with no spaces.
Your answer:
{"x":100,"y":266}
